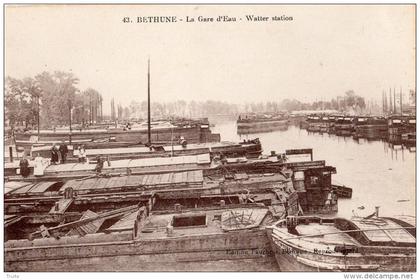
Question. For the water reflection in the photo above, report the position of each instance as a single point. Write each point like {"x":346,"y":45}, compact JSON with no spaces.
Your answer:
{"x":380,"y":173}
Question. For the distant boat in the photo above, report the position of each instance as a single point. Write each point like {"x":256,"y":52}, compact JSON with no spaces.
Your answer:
{"x":256,"y":123}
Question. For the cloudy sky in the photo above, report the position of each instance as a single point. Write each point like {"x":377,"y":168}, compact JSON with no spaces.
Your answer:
{"x":321,"y":53}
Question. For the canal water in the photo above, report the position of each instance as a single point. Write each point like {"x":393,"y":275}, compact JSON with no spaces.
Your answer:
{"x":379,"y":174}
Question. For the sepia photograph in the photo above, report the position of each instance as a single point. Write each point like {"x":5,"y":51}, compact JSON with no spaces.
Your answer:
{"x":209,"y":138}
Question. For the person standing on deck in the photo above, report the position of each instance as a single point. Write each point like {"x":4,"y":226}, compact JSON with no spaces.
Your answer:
{"x":99,"y":165}
{"x":82,"y":154}
{"x":54,"y":154}
{"x":24,"y":167}
{"x":79,"y":155}
{"x":39,"y":165}
{"x":63,"y":151}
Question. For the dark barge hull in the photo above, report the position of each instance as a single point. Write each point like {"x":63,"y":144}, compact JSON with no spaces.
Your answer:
{"x":122,"y":253}
{"x":194,"y":134}
{"x":249,"y":127}
{"x":372,"y":131}
{"x":251,"y":149}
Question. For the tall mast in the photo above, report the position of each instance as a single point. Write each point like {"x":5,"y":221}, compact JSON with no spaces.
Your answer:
{"x":383,"y":102}
{"x":148,"y":103}
{"x":401,"y":101}
{"x":395,"y":105}
{"x":390,"y":101}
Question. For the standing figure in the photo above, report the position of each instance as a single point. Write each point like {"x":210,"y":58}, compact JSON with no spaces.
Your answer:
{"x":63,"y":151}
{"x":183,"y":142}
{"x":82,"y":154}
{"x":54,"y":154}
{"x":99,"y":165}
{"x":79,"y":153}
{"x":39,"y":165}
{"x":24,"y":167}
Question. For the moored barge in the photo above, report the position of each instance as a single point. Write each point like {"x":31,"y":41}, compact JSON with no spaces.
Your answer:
{"x":135,"y":240}
{"x":344,"y":126}
{"x":371,"y":127}
{"x":251,"y":123}
{"x":192,"y":132}
{"x":247,"y":148}
{"x":309,"y":243}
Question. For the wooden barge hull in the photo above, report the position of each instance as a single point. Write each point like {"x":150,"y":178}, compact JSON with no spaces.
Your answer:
{"x":262,"y":126}
{"x":166,"y":241}
{"x":313,"y":128}
{"x":89,"y":144}
{"x":195,"y":134}
{"x":80,"y":170}
{"x":251,"y":149}
{"x":109,"y":252}
{"x":295,"y":259}
{"x":357,"y":245}
{"x":371,"y":131}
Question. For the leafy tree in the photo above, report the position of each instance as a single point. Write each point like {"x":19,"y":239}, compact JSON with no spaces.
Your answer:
{"x":21,"y":97}
{"x":58,"y":98}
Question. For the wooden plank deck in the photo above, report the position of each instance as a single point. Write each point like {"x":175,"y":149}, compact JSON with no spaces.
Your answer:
{"x":151,"y":180}
{"x":129,"y":163}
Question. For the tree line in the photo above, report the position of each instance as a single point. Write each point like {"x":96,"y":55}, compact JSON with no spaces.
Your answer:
{"x":54,"y":98}
{"x":138,"y":110}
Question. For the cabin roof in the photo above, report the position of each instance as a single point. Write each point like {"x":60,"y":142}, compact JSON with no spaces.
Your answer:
{"x":316,"y":230}
{"x":33,"y":188}
{"x":388,"y":231}
{"x":13,"y":185}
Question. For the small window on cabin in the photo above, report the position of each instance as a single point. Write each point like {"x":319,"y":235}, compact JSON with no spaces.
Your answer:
{"x":314,"y":180}
{"x":189,"y":221}
{"x":217,"y":217}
